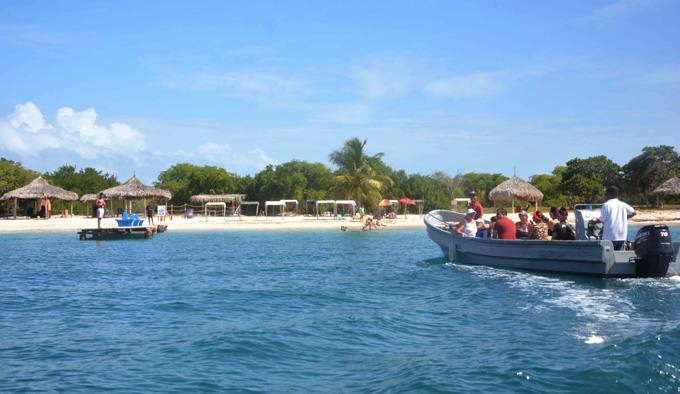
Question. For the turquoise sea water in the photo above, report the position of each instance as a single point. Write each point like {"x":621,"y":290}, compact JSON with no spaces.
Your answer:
{"x":310,"y":311}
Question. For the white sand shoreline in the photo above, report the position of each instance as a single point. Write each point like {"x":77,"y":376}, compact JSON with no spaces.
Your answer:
{"x":294,"y":223}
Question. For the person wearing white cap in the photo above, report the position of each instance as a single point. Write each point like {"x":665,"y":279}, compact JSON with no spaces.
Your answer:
{"x":468,"y":227}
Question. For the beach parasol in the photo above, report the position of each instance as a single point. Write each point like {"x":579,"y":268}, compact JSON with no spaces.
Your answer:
{"x":406,"y":201}
{"x":134,"y":189}
{"x":671,"y":186}
{"x":515,"y":188}
{"x":39,"y":189}
{"x":383,"y":203}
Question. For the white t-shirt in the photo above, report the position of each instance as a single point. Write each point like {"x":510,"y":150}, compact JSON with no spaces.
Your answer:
{"x":614,"y":214}
{"x":470,"y":229}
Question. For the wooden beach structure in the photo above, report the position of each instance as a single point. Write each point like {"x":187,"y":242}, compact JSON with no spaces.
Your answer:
{"x":39,"y":189}
{"x":670,"y":187}
{"x":210,"y":199}
{"x":111,"y":233}
{"x":515,"y":188}
{"x":134,"y":189}
{"x":88,"y":198}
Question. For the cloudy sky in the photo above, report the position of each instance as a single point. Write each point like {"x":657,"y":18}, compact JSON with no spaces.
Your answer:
{"x":481,"y":86}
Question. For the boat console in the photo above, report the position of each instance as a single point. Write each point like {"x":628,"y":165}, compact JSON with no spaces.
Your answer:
{"x":583,"y":214}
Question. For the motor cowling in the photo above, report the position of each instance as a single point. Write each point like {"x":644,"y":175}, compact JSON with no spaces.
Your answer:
{"x":653,"y":251}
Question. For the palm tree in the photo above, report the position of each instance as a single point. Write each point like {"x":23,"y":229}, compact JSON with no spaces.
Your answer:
{"x":359,"y":179}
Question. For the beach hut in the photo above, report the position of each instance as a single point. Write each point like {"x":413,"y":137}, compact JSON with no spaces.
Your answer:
{"x":273,"y":204}
{"x":316,"y":206}
{"x":670,"y":187}
{"x":515,"y":187}
{"x":292,"y":202}
{"x":204,"y":199}
{"x":39,"y":189}
{"x":134,"y":189}
{"x":88,"y":198}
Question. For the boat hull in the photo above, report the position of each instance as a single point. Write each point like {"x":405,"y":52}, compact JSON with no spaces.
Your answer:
{"x":591,"y":257}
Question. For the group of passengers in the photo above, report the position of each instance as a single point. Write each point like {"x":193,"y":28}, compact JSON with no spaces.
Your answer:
{"x":501,"y":227}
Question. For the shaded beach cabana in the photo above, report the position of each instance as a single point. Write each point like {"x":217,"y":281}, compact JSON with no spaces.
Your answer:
{"x":248,"y":203}
{"x":292,"y":202}
{"x":273,"y":204}
{"x":39,"y":189}
{"x":134,"y":189}
{"x":351,"y":203}
{"x":204,"y":199}
{"x":316,"y":206}
{"x":420,"y":205}
{"x":515,"y":187}
{"x":670,"y":187}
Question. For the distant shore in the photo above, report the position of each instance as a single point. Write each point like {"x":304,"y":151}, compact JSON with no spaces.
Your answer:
{"x":292,"y":223}
{"x":288,"y":223}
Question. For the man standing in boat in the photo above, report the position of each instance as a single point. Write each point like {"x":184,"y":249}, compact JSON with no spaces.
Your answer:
{"x":614,"y":215}
{"x":474,"y":204}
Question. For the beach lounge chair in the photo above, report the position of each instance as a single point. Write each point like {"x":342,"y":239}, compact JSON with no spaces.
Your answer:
{"x":340,"y":217}
{"x":125,"y":221}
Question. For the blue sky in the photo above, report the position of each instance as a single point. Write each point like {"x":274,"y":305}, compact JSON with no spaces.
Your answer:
{"x":481,"y":86}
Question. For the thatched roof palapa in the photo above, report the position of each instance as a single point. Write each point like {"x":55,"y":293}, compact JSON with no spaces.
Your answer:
{"x":88,"y":197}
{"x":671,"y":186}
{"x":204,"y":198}
{"x":39,"y":188}
{"x":134,"y":189}
{"x":515,"y":187}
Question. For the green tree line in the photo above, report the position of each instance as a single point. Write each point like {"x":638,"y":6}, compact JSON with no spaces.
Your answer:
{"x":352,"y":174}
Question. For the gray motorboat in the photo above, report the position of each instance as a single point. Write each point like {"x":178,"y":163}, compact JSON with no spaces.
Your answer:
{"x":653,"y":254}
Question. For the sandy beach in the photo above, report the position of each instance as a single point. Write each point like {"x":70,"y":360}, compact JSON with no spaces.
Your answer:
{"x":72,"y":224}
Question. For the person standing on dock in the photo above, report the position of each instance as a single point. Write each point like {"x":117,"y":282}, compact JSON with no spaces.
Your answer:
{"x":614,"y":215}
{"x":149,"y":213}
{"x":100,"y":204}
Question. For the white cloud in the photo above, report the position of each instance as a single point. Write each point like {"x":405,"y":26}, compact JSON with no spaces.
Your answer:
{"x":26,"y":133}
{"x":479,"y":84}
{"x":382,"y":79}
{"x":27,"y":117}
{"x":223,"y":154}
{"x":617,"y":11}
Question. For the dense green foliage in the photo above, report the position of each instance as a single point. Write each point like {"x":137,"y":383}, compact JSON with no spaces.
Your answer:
{"x":87,"y":180}
{"x":368,"y":179}
{"x":13,"y":175}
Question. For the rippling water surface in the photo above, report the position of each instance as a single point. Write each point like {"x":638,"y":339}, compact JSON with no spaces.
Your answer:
{"x":318,"y":311}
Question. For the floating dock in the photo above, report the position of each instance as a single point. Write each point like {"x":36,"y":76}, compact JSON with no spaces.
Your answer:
{"x":147,"y":232}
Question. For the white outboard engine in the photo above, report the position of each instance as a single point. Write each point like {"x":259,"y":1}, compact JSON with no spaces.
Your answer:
{"x":653,"y":251}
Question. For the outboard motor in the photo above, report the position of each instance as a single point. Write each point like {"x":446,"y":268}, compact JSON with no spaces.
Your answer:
{"x":653,"y":251}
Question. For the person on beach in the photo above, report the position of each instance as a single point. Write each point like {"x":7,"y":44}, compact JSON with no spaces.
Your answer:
{"x":614,"y":215}
{"x":149,"y":213}
{"x":100,"y":204}
{"x":504,"y":227}
{"x":522,"y":226}
{"x":474,"y":204}
{"x":539,"y":229}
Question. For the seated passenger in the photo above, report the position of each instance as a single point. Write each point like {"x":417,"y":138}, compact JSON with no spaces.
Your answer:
{"x":539,"y":228}
{"x":563,"y":213}
{"x":554,"y":219}
{"x":522,"y":226}
{"x":563,"y":231}
{"x":468,"y":227}
{"x":504,"y":227}
{"x":489,"y":229}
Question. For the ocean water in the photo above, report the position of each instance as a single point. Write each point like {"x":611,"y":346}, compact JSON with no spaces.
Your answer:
{"x":318,"y":311}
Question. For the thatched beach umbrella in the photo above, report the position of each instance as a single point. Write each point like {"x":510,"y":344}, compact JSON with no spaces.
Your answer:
{"x":39,"y":189}
{"x":134,"y":189}
{"x":88,"y":197}
{"x":515,"y":187}
{"x":206,"y":198}
{"x":670,"y":187}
